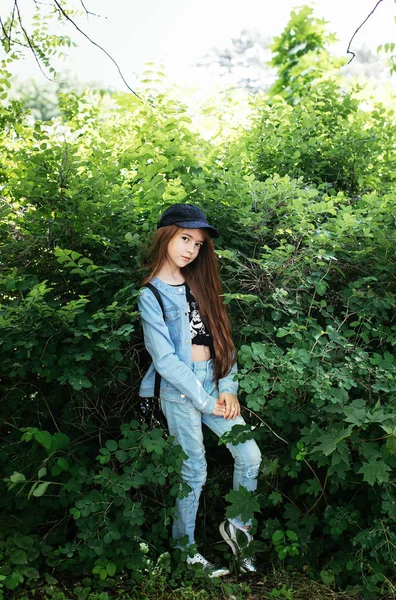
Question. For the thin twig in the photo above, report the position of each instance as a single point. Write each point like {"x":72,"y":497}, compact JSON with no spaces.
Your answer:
{"x":266,"y":424}
{"x":360,"y":26}
{"x":88,"y":12}
{"x":8,"y":37}
{"x":66,"y":16}
{"x":322,"y":487}
{"x":4,"y":31}
{"x":13,"y":16}
{"x":30,"y":44}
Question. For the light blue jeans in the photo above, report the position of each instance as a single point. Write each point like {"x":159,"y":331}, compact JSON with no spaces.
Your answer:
{"x":185,"y":424}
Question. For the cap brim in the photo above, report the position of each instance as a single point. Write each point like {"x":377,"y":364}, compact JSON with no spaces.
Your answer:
{"x":199,"y":225}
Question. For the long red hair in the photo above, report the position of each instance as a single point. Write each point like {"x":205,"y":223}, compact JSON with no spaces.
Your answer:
{"x":202,"y":275}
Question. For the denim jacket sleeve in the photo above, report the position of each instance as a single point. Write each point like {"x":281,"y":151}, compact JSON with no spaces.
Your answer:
{"x":226,"y":384}
{"x":162,"y":350}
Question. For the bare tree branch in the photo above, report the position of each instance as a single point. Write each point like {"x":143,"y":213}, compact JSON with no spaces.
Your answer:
{"x":36,"y":51}
{"x":66,"y":16}
{"x":349,"y":51}
{"x":88,"y":12}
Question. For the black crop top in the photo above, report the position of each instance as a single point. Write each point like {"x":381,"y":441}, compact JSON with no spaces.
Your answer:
{"x":199,"y":334}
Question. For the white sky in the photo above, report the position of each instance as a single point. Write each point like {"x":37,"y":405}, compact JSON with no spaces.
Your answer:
{"x":180,"y":32}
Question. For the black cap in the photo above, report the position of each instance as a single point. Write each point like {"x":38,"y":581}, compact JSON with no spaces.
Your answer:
{"x":188,"y":216}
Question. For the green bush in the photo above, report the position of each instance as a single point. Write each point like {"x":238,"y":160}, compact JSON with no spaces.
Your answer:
{"x":327,"y":139}
{"x":309,"y":276}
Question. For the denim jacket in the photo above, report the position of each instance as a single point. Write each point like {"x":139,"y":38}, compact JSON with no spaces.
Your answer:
{"x":169,"y":344}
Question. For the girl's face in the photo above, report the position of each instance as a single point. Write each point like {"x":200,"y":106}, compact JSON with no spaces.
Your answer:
{"x":183,"y":248}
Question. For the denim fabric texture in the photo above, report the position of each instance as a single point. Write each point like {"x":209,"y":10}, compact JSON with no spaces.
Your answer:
{"x":169,"y":344}
{"x":185,"y":424}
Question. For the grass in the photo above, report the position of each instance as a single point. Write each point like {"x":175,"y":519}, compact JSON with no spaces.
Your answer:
{"x":275,"y":585}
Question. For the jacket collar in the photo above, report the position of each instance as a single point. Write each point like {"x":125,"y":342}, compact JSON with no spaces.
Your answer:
{"x":169,"y":289}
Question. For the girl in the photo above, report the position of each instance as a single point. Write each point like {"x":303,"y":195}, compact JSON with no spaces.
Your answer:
{"x":192,"y":350}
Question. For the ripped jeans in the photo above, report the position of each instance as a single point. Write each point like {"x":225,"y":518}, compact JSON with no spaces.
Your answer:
{"x":185,"y":424}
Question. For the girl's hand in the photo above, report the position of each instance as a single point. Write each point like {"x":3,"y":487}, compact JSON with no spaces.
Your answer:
{"x":232,"y":406}
{"x":220,"y":408}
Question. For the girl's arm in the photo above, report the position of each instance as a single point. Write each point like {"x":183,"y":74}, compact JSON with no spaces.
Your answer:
{"x":162,"y":350}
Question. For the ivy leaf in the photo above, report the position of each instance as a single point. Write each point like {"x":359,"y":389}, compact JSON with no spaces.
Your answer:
{"x":269,"y":467}
{"x":242,"y":504}
{"x":356,"y":413}
{"x":375,"y":471}
{"x":237,"y":435}
{"x":275,"y":498}
{"x":329,"y":441}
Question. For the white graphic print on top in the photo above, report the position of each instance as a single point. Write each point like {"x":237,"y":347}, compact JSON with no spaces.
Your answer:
{"x":196,"y":325}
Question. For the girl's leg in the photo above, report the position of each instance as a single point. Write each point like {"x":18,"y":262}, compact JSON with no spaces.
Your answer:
{"x":184,"y":423}
{"x":247,"y":459}
{"x":247,"y":456}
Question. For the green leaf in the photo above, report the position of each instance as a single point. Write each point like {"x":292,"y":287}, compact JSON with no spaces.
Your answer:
{"x":42,"y":472}
{"x":391,"y":444}
{"x":356,"y":412}
{"x":41,"y":489}
{"x":281,"y":332}
{"x":17,"y":477}
{"x":25,"y":542}
{"x":78,"y":382}
{"x":277,"y":537}
{"x":44,"y":438}
{"x":375,"y":471}
{"x":321,"y":287}
{"x":111,"y":569}
{"x":112,"y":445}
{"x":29,"y":572}
{"x":13,"y":580}
{"x":18,"y":557}
{"x":275,"y":498}
{"x":327,"y":577}
{"x":328,"y":441}
{"x":60,"y":441}
{"x":243,"y":504}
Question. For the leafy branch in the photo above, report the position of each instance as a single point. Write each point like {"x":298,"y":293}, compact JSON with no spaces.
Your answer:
{"x":39,"y":43}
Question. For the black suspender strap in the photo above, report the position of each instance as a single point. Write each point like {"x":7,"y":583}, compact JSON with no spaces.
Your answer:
{"x":157,"y":381}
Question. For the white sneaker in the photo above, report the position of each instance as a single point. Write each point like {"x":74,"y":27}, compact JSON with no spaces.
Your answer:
{"x":229,"y":535}
{"x":209,"y":568}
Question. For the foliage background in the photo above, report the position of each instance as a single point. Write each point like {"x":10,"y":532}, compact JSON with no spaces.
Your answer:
{"x":304,"y":198}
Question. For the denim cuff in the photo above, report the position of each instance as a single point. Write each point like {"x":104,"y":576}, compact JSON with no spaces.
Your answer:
{"x":228,"y":389}
{"x":209,"y":408}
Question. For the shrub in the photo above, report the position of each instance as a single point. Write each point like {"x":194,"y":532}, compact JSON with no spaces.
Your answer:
{"x":309,"y":278}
